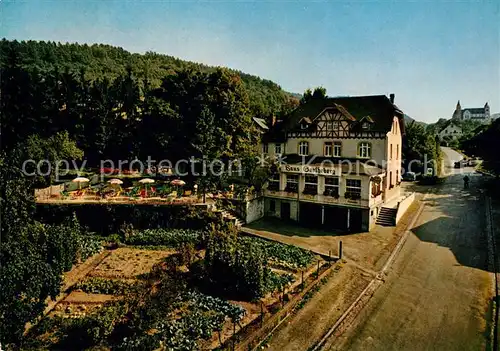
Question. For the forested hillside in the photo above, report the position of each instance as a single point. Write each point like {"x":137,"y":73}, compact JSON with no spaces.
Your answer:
{"x":120,"y":105}
{"x":99,"y":61}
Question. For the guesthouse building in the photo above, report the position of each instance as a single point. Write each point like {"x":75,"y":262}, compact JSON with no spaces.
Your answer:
{"x":336,"y":162}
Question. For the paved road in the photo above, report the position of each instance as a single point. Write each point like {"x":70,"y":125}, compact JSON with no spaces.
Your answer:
{"x":438,"y":292}
{"x":451,"y":156}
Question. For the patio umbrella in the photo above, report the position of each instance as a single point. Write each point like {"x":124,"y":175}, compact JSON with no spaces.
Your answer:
{"x":178,"y":182}
{"x":80,"y":180}
{"x":115,"y":181}
{"x":146,"y":181}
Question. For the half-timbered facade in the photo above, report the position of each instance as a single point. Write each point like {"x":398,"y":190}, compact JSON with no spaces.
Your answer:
{"x":339,"y":162}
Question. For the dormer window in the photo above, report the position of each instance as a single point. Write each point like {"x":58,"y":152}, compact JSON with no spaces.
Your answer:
{"x":305,"y":123}
{"x":365,"y":125}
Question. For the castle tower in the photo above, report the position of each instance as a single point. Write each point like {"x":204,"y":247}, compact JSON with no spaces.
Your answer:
{"x":458,"y":111}
{"x":486,"y":111}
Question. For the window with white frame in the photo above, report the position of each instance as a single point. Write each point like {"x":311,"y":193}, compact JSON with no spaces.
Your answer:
{"x":337,"y":149}
{"x":353,"y":189}
{"x":304,"y":126}
{"x":311,"y":185}
{"x":277,"y":149}
{"x":292,"y":183}
{"x":274,"y":182}
{"x":332,"y":186}
{"x":265,"y":148}
{"x":365,"y":125}
{"x":365,"y":150}
{"x":303,"y":148}
{"x":328,"y":149}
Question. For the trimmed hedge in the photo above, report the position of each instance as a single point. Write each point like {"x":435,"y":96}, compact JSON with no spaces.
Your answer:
{"x":98,"y":285}
{"x":108,"y":219}
{"x":166,"y":237}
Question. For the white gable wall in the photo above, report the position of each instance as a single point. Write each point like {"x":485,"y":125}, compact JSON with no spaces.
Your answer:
{"x":451,"y":130}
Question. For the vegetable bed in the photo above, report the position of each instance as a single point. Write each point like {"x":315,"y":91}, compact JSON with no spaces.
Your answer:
{"x":165,"y":237}
{"x":287,"y":255}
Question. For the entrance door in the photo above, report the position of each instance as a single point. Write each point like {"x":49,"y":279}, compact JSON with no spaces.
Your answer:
{"x":285,"y":210}
{"x":310,"y":215}
{"x":355,"y":220}
{"x":335,"y":218}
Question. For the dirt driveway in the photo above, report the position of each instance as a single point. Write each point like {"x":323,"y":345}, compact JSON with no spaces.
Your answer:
{"x":368,"y":250}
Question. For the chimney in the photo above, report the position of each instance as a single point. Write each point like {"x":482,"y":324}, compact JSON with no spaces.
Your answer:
{"x":391,"y":97}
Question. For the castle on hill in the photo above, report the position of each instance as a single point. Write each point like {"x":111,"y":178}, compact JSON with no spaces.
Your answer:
{"x":480,"y":114}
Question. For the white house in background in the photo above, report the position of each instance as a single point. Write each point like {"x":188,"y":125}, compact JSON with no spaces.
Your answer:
{"x":451,"y":130}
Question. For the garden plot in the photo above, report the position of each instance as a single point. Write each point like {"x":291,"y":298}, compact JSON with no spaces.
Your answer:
{"x":129,"y":263}
{"x":78,"y":304}
{"x":175,"y":311}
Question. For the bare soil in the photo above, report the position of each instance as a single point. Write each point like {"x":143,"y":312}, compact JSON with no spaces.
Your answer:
{"x":80,"y":297}
{"x":129,"y":262}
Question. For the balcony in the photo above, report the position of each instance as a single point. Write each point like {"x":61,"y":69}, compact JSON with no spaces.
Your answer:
{"x":333,"y":192}
{"x":273,"y":186}
{"x":319,"y":198}
{"x":310,"y":189}
{"x":281,"y":194}
{"x":292,"y":188}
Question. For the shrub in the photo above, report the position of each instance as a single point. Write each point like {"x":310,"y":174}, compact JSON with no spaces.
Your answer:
{"x":235,"y":268}
{"x":277,"y":281}
{"x":89,"y":245}
{"x":92,"y":329}
{"x":98,"y":285}
{"x":165,"y":237}
{"x":288,"y":255}
{"x":109,"y":219}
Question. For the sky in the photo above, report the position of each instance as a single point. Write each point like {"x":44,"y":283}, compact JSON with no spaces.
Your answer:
{"x":429,"y":54}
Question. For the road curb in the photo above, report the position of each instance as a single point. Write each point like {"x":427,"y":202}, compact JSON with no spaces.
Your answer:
{"x":364,"y":297}
{"x":493,"y":266}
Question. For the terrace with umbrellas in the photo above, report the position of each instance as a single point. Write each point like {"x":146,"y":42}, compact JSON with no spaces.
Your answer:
{"x":132,"y":187}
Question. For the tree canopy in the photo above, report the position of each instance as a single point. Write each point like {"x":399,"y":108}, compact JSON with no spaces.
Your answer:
{"x":118,"y":105}
{"x":485,"y":145}
{"x":419,"y":145}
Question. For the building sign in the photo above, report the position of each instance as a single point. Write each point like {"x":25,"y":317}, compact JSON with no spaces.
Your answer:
{"x":308,"y":169}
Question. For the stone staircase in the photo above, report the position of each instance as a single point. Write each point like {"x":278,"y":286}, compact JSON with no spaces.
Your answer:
{"x":227,"y":216}
{"x":387,"y":217}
